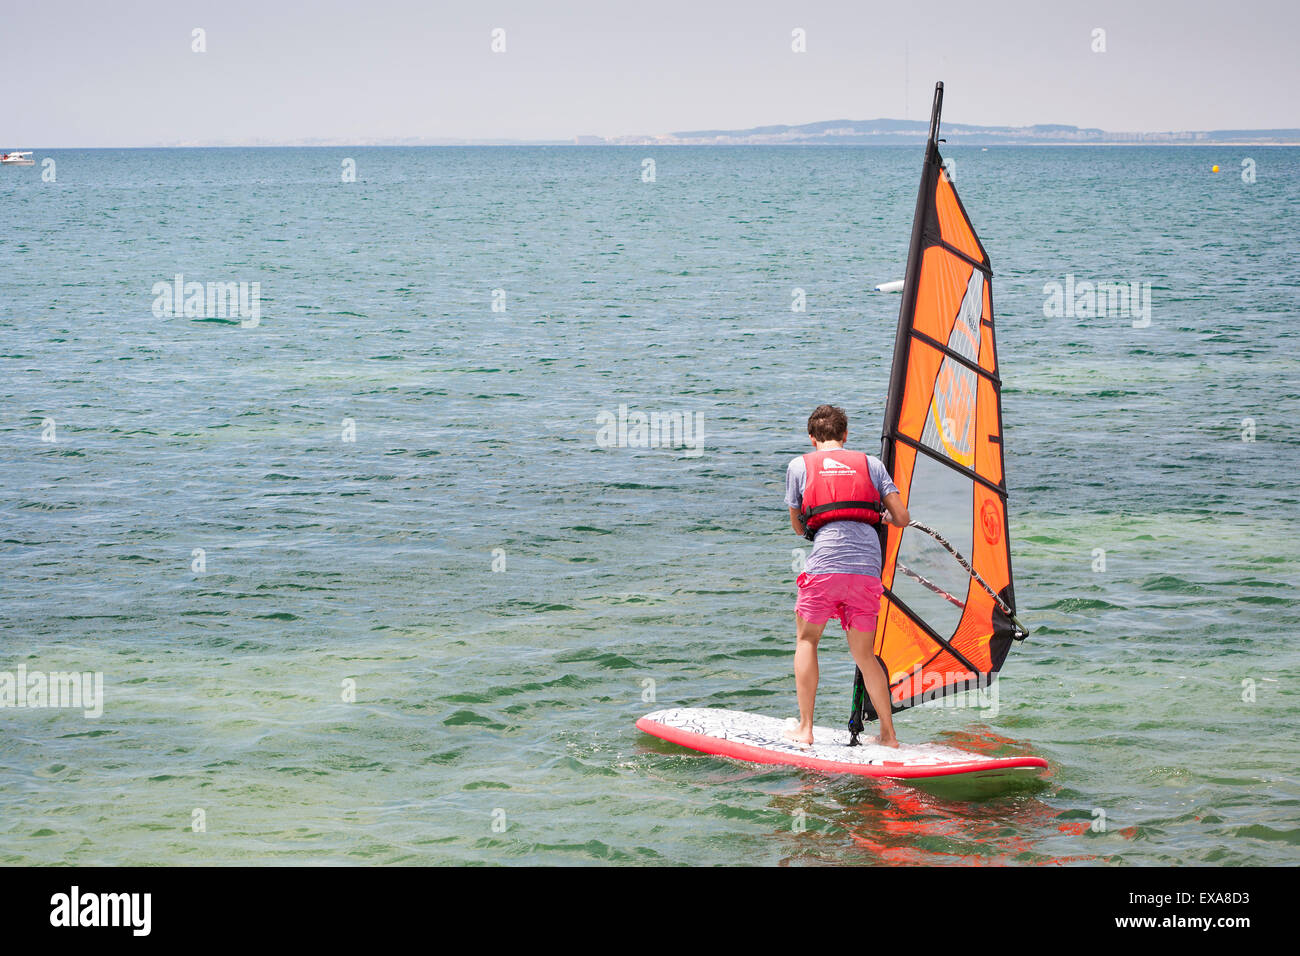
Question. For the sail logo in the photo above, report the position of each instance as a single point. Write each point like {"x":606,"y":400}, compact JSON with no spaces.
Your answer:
{"x":131,"y":910}
{"x":55,"y":689}
{"x":212,"y":300}
{"x":991,"y":522}
{"x":1098,"y":300}
{"x":633,"y":429}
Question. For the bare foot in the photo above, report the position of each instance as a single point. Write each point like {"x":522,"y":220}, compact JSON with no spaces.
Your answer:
{"x":891,"y":742}
{"x":799,"y":735}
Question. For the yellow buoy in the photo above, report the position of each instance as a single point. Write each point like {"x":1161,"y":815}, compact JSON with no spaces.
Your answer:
{"x":1214,"y":169}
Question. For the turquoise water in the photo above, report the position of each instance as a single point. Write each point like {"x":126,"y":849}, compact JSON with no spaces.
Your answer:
{"x":494,"y":710}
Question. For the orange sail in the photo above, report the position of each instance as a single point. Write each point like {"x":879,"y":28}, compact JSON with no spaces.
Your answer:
{"x":947,"y":618}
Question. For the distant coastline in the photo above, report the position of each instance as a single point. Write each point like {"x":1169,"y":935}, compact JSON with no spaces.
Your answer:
{"x":877,"y":132}
{"x":884,"y":132}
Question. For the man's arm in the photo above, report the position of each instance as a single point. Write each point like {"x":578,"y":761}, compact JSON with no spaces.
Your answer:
{"x":795,"y":523}
{"x":896,"y":510}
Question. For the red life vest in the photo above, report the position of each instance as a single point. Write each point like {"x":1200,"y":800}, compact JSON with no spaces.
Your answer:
{"x":838,"y":487}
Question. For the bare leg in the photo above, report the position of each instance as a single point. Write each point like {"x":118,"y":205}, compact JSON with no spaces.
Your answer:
{"x":862,"y":647}
{"x":807,"y":635}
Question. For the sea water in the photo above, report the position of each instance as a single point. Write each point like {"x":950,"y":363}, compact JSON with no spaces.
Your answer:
{"x":365,"y":582}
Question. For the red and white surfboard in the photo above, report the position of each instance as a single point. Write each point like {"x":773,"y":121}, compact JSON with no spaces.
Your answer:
{"x":758,"y":739}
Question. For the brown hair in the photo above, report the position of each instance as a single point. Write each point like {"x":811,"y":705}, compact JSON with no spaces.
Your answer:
{"x":828,"y":423}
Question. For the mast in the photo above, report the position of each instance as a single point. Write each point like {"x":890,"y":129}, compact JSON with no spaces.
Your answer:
{"x":943,"y":418}
{"x":911,"y":281}
{"x":898,"y":373}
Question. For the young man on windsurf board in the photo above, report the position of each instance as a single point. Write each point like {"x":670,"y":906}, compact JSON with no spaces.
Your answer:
{"x":838,"y":498}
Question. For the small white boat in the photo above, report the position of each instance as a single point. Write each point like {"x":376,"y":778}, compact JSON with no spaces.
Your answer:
{"x":17,"y":159}
{"x":895,"y":286}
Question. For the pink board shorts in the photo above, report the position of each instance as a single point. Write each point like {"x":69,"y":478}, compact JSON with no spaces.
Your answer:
{"x":853,"y":598}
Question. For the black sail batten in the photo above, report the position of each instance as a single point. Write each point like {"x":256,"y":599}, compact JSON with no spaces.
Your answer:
{"x":957,"y":357}
{"x":929,"y":631}
{"x":953,"y":250}
{"x":935,"y":456}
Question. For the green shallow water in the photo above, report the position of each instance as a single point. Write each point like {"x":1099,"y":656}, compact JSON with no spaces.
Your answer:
{"x":494,"y":710}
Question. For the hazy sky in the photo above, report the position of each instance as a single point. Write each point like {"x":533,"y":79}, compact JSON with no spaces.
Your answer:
{"x":121,"y":73}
